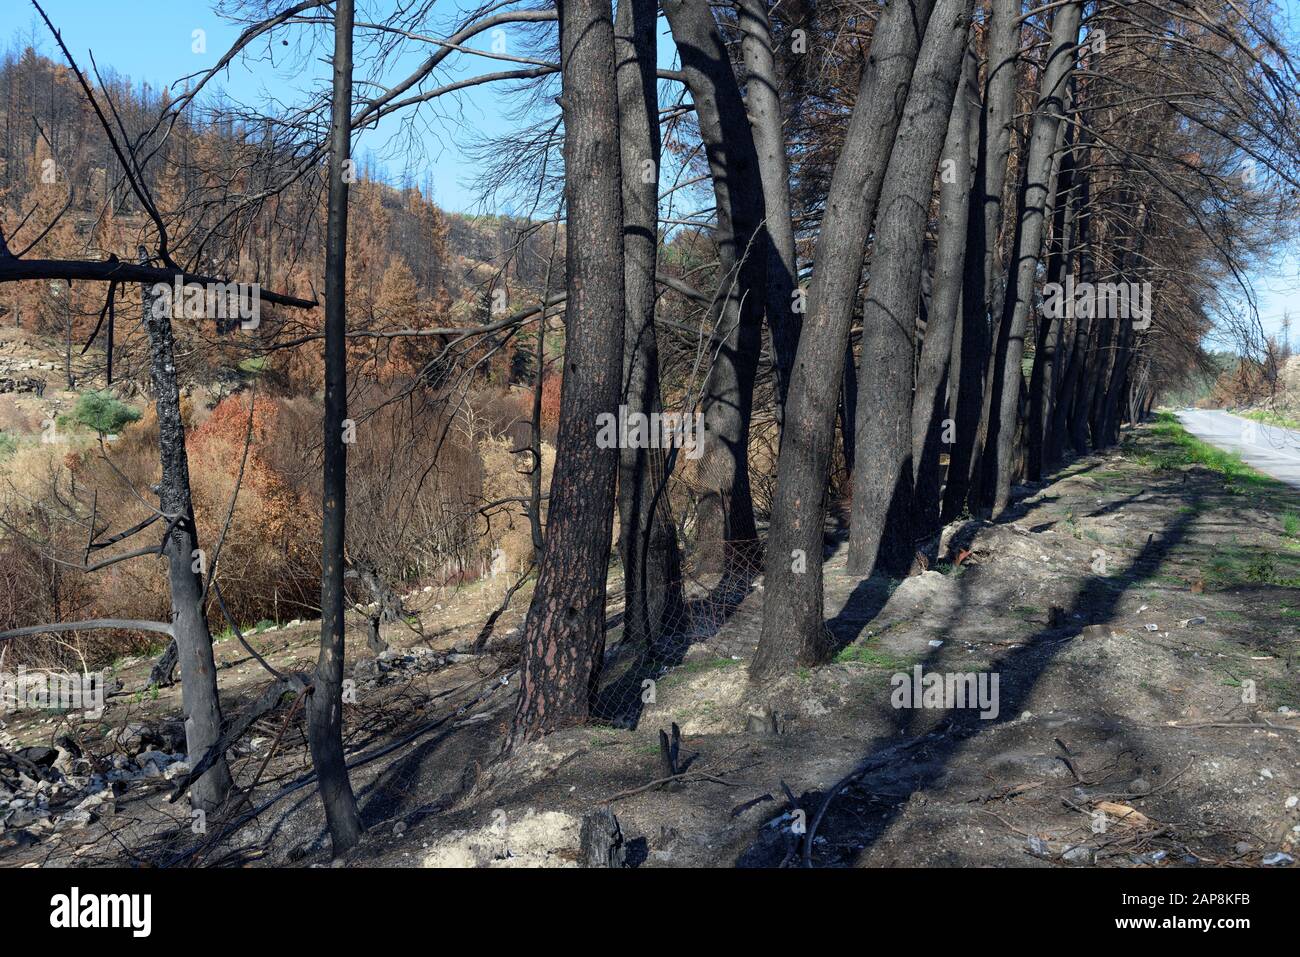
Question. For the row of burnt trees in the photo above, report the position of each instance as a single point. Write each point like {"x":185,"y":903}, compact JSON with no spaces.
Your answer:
{"x":1093,"y":140}
{"x":1080,"y":142}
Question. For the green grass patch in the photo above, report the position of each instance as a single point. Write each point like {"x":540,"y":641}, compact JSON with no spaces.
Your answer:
{"x":1189,"y":450}
{"x":1269,"y":417}
{"x":872,"y":656}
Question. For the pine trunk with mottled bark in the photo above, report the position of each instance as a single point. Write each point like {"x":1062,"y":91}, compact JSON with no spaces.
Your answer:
{"x":564,"y":634}
{"x":883,"y":528}
{"x":793,"y":629}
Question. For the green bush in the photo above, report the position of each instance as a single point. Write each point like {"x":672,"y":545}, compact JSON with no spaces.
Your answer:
{"x":103,"y":413}
{"x":8,"y":445}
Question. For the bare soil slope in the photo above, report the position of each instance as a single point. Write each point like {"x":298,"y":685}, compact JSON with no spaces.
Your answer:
{"x":1140,"y":613}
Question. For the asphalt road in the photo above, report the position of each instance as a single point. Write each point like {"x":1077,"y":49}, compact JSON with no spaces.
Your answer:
{"x":1272,"y":450}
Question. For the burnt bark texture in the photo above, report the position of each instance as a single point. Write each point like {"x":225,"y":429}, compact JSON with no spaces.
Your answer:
{"x":935,"y":369}
{"x":1067,"y":420}
{"x":564,"y":635}
{"x":726,"y":535}
{"x":883,"y":530}
{"x":763,"y":101}
{"x":1050,"y":355}
{"x":1030,"y":228}
{"x":983,"y":265}
{"x":647,"y":537}
{"x":325,"y":703}
{"x":191,"y":639}
{"x":793,"y":630}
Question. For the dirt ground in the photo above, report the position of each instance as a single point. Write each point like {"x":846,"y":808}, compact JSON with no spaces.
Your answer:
{"x":1140,"y":615}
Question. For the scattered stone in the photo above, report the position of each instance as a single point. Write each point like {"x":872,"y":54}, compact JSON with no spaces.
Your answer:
{"x":76,"y":819}
{"x":41,"y":757}
{"x":138,"y":736}
{"x":1080,"y":854}
{"x":28,"y":815}
{"x":154,"y":757}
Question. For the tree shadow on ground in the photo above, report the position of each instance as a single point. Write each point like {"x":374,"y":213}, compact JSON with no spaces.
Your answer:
{"x":878,"y":774}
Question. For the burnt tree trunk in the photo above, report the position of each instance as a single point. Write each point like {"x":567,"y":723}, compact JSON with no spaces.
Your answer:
{"x":848,"y":407}
{"x":983,"y":265}
{"x":936,"y":368}
{"x":191,"y":639}
{"x":1118,"y":383}
{"x":727,"y":535}
{"x":1020,"y":280}
{"x":1066,"y":424}
{"x":883,"y":528}
{"x":763,"y":101}
{"x":1053,"y":341}
{"x":1048,"y":328}
{"x":793,"y":630}
{"x":564,"y":635}
{"x":647,"y":538}
{"x":325,"y":704}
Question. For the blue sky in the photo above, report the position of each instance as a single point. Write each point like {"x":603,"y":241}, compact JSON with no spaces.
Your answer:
{"x":152,"y":41}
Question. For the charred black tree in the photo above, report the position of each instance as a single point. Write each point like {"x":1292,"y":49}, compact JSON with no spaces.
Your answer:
{"x":939,"y":367}
{"x":1030,"y":228}
{"x":884,"y":531}
{"x":191,"y":639}
{"x":652,"y":573}
{"x":763,"y":101}
{"x":564,"y":635}
{"x":983,"y":266}
{"x":325,"y":704}
{"x":793,"y":630}
{"x":727,"y":536}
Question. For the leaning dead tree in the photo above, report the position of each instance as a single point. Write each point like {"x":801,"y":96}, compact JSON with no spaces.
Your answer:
{"x":793,"y":631}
